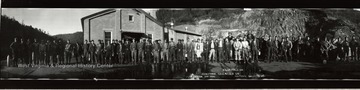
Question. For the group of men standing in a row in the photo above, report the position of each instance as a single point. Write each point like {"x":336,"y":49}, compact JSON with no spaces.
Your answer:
{"x":245,"y":47}
{"x":46,"y":52}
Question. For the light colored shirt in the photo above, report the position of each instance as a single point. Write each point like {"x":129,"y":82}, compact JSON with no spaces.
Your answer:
{"x":221,"y":43}
{"x":212,"y":45}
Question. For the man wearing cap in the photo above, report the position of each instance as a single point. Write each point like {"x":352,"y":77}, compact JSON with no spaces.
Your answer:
{"x":180,"y":50}
{"x":133,"y":51}
{"x":198,"y":49}
{"x":172,"y":50}
{"x":165,"y":51}
{"x":140,"y":47}
{"x":68,"y":52}
{"x":156,"y":51}
{"x":14,"y":46}
{"x":86,"y":51}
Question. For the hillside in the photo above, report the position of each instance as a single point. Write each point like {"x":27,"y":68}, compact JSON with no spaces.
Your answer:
{"x":73,"y":37}
{"x":10,"y":28}
{"x":273,"y":22}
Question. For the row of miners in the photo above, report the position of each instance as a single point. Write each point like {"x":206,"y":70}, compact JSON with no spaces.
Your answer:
{"x":247,"y":48}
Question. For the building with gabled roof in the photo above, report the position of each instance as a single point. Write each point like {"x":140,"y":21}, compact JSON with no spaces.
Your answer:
{"x":111,"y":24}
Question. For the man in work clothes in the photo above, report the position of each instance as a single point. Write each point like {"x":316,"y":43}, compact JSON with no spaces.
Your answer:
{"x":108,"y":52}
{"x":99,"y":52}
{"x":156,"y":51}
{"x":68,"y":52}
{"x":86,"y":51}
{"x":172,"y":50}
{"x":237,"y":46}
{"x":212,"y":51}
{"x":92,"y":49}
{"x":78,"y":52}
{"x":165,"y":51}
{"x":198,"y":49}
{"x":140,"y":47}
{"x":221,"y":50}
{"x":35,"y":52}
{"x":61,"y":53}
{"x":180,"y":50}
{"x":133,"y":51}
{"x":148,"y":51}
{"x":206,"y":50}
{"x":42,"y":54}
{"x":14,"y":46}
{"x":354,"y":46}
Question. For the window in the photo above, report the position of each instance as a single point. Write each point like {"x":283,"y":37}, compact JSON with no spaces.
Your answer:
{"x":107,"y":36}
{"x":131,"y":18}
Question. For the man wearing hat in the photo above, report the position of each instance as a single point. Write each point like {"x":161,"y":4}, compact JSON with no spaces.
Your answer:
{"x":172,"y":50}
{"x":141,"y":49}
{"x":133,"y":49}
{"x":180,"y":50}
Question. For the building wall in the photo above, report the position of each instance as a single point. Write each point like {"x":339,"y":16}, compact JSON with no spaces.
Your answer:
{"x":154,"y":29}
{"x":131,"y":26}
{"x":101,"y":24}
{"x":86,"y":29}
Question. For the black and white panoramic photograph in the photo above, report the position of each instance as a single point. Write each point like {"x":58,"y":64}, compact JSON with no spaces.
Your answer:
{"x":180,"y":43}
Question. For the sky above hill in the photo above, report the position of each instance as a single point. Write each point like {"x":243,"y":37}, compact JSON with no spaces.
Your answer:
{"x":52,"y":20}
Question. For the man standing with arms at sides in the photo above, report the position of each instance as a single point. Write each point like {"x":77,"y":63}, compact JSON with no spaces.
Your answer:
{"x":21,"y":49}
{"x":108,"y":51}
{"x":156,"y":51}
{"x":53,"y":52}
{"x":346,"y":49}
{"x":180,"y":49}
{"x":42,"y":54}
{"x":148,"y":51}
{"x":61,"y":49}
{"x":294,"y":51}
{"x":165,"y":51}
{"x":255,"y":49}
{"x":212,"y":51}
{"x":221,"y":50}
{"x":227,"y":50}
{"x":187,"y":50}
{"x":172,"y":50}
{"x":48,"y":52}
{"x":289,"y":46}
{"x":317,"y":50}
{"x":140,"y":47}
{"x":35,"y":52}
{"x":206,"y":49}
{"x":127,"y":51}
{"x":353,"y":46}
{"x":68,"y":52}
{"x":99,"y":51}
{"x":246,"y":50}
{"x":120,"y":50}
{"x":77,"y":53}
{"x":270,"y":50}
{"x":301,"y":48}
{"x":133,"y":51}
{"x":57,"y":48}
{"x":114,"y":56}
{"x":232,"y":49}
{"x":86,"y":51}
{"x":92,"y":49}
{"x":14,"y":46}
{"x":237,"y":46}
{"x":28,"y":51}
{"x":198,"y":49}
